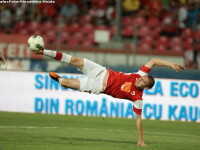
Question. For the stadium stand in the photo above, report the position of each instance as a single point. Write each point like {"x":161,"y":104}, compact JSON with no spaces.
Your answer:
{"x":144,"y":24}
{"x":87,"y":29}
{"x":48,"y":26}
{"x":128,"y":31}
{"x":153,"y":22}
{"x":65,"y":37}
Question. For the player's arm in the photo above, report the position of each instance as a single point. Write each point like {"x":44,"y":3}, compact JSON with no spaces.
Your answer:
{"x":140,"y":130}
{"x":137,"y":108}
{"x":2,"y":59}
{"x":159,"y":62}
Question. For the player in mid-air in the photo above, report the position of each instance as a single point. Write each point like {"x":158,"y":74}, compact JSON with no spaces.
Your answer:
{"x":117,"y":84}
{"x":2,"y":59}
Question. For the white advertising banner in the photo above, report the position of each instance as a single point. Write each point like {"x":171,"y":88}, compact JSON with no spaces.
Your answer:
{"x":36,"y":93}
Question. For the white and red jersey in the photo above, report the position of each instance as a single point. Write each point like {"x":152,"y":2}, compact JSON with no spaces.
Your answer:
{"x":122,"y":85}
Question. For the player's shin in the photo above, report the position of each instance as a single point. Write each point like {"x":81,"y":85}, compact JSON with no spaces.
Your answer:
{"x":58,"y":56}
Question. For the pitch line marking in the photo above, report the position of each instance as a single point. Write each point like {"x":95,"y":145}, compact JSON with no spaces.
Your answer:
{"x":92,"y":129}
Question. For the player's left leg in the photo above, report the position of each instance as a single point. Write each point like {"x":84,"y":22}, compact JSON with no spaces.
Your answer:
{"x":82,"y":84}
{"x":67,"y":83}
{"x":71,"y":83}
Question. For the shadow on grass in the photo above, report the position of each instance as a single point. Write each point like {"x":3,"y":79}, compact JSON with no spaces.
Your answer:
{"x":83,"y":139}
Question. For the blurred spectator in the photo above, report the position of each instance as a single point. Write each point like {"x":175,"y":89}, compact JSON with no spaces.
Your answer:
{"x":47,"y":12}
{"x":193,"y":12}
{"x":20,"y":11}
{"x":196,"y":53}
{"x":32,"y":12}
{"x":191,"y":55}
{"x":155,"y":7}
{"x":6,"y":17}
{"x":182,"y":15}
{"x":173,"y":5}
{"x":96,"y":14}
{"x":69,"y":12}
{"x":110,"y":13}
{"x":170,"y":26}
{"x":59,"y":4}
{"x":188,"y":58}
{"x":130,"y":7}
{"x":29,"y":10}
{"x":83,"y":8}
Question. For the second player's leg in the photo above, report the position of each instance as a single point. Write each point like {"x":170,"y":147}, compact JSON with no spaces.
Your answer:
{"x":71,"y":83}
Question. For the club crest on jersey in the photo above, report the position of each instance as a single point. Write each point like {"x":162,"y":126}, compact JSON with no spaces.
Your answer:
{"x":133,"y":93}
{"x":126,"y":87}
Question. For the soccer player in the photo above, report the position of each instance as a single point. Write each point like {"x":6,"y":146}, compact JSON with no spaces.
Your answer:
{"x":117,"y":84}
{"x":2,"y":59}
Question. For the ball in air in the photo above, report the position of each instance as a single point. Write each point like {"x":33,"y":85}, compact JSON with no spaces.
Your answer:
{"x":35,"y":43}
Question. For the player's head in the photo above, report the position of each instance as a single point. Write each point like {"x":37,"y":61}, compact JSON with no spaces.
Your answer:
{"x":145,"y":82}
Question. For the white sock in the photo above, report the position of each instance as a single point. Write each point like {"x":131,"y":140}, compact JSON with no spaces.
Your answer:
{"x":58,"y":56}
{"x":60,"y":80}
{"x":49,"y":53}
{"x":66,"y":58}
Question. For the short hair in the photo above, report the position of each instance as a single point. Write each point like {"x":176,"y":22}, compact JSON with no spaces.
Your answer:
{"x":151,"y":82}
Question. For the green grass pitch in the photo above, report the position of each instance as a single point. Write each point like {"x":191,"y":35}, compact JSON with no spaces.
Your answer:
{"x":19,"y":131}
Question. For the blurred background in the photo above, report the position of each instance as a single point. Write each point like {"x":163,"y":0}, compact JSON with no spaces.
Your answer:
{"x":119,"y":34}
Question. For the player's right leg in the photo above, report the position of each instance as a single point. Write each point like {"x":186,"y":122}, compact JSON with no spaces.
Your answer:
{"x":88,"y":67}
{"x":67,"y":83}
{"x":62,"y":57}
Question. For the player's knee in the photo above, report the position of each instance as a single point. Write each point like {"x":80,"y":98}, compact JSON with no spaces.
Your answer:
{"x":75,"y":61}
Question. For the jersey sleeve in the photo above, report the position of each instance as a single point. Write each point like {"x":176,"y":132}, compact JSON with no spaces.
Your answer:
{"x":144,"y":71}
{"x":137,"y":106}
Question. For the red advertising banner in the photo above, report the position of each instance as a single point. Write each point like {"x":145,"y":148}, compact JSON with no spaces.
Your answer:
{"x":15,"y":46}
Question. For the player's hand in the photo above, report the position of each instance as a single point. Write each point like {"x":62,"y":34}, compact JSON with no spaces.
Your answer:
{"x":40,"y":52}
{"x":141,"y":143}
{"x":177,"y":67}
